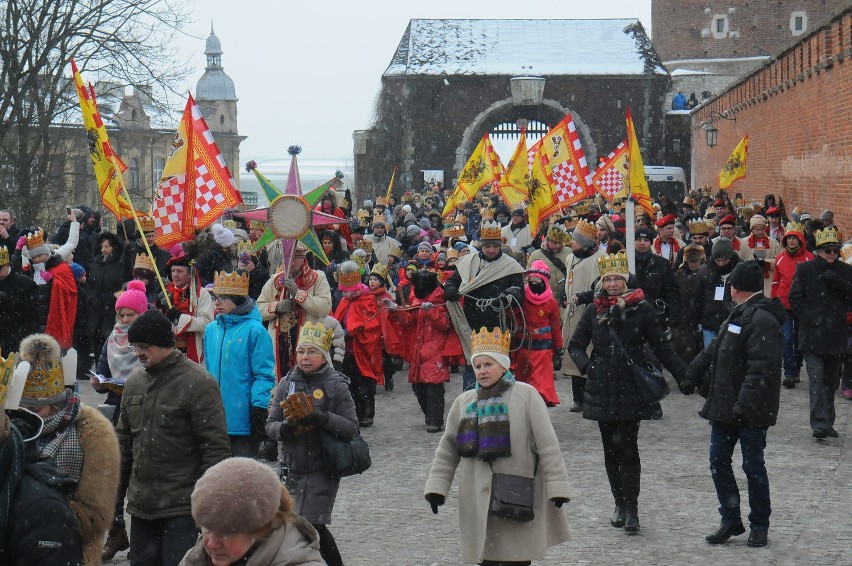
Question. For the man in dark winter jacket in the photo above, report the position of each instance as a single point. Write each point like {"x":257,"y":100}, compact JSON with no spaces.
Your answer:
{"x":820,"y":296}
{"x":18,"y":314}
{"x":711,"y":303}
{"x":136,"y":247}
{"x":740,"y":376}
{"x":655,"y":277}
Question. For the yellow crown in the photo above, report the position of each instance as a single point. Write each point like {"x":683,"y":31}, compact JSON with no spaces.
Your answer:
{"x":381,"y":270}
{"x":245,"y":247}
{"x":794,"y":227}
{"x":359,"y":256}
{"x":452,"y":254}
{"x":363,"y":216}
{"x":379,"y":218}
{"x":366,"y":245}
{"x":827,"y":236}
{"x":316,"y":334}
{"x":453,"y":231}
{"x":460,"y":219}
{"x":257,"y":225}
{"x":697,"y":226}
{"x":613,"y":264}
{"x":381,"y":201}
{"x":4,"y":256}
{"x":231,"y":284}
{"x":143,"y":262}
{"x":44,"y":382}
{"x":7,"y":369}
{"x":349,"y":279}
{"x":587,"y":229}
{"x":35,"y":240}
{"x":556,"y":233}
{"x":490,"y":230}
{"x":429,"y":194}
{"x":230,"y":224}
{"x":395,"y":251}
{"x":487,"y":214}
{"x":580,"y":209}
{"x":486,"y":341}
{"x":406,"y":198}
{"x":147,"y":222}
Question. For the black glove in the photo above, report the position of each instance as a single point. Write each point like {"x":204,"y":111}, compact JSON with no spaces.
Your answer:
{"x":173,"y":315}
{"x":557,"y":360}
{"x":287,"y":429}
{"x":451,"y":294}
{"x":435,"y":500}
{"x":268,"y":451}
{"x":317,"y":418}
{"x":830,"y":277}
{"x":257,"y":418}
{"x":558,"y":502}
{"x":686,"y":386}
{"x":738,"y":414}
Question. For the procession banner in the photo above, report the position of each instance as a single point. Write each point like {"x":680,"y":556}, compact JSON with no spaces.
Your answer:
{"x":735,"y":167}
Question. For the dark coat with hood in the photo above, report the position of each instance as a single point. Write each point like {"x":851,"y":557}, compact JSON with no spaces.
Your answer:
{"x":739,"y":373}
{"x":655,"y":277}
{"x":18,"y":316}
{"x":706,"y":310}
{"x":103,"y":282}
{"x":820,"y":297}
{"x":426,"y":332}
{"x":611,"y":393}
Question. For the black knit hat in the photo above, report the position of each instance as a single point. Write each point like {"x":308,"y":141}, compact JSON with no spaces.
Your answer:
{"x":747,"y":276}
{"x":647,"y":233}
{"x":152,"y":328}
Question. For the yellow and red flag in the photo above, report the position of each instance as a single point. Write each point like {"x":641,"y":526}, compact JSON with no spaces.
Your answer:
{"x":541,"y":196}
{"x":106,"y":163}
{"x":567,"y":170}
{"x":513,"y":184}
{"x":610,"y":178}
{"x":637,"y":184}
{"x":196,"y":187}
{"x":735,"y":167}
{"x":483,"y":167}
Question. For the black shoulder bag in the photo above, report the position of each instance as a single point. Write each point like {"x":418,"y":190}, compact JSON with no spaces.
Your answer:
{"x":512,"y":497}
{"x":649,"y":380}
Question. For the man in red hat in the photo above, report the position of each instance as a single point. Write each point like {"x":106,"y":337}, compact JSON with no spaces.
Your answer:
{"x":775,"y":230}
{"x":665,"y":244}
{"x":728,"y":229}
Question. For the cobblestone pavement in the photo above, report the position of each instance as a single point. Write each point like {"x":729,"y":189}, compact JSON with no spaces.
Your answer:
{"x":381,"y":518}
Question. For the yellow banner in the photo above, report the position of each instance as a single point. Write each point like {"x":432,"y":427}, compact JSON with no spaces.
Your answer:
{"x":735,"y":167}
{"x":637,"y":184}
{"x":513,"y":183}
{"x":483,"y":167}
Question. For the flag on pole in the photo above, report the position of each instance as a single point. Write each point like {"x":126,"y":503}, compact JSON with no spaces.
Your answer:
{"x":567,"y":170}
{"x":513,"y":184}
{"x":610,"y":178}
{"x":457,"y":199}
{"x":390,"y":185}
{"x":107,"y":165}
{"x":196,"y":186}
{"x":540,"y":194}
{"x":637,"y":184}
{"x":483,"y":167}
{"x":735,"y":167}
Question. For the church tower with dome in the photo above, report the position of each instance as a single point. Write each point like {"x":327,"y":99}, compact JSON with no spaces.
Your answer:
{"x":215,"y":92}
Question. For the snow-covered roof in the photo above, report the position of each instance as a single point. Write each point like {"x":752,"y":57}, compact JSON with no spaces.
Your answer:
{"x":511,"y":47}
{"x":688,"y":73}
{"x":109,"y":97}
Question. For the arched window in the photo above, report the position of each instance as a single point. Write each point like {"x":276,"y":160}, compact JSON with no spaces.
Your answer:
{"x":134,"y":173}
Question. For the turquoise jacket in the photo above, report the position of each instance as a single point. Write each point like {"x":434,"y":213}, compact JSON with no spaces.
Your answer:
{"x":238,"y":353}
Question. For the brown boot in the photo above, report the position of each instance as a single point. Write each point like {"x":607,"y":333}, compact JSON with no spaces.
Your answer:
{"x":116,"y":542}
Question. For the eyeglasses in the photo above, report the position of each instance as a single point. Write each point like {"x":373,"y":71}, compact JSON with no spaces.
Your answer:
{"x":610,"y":280}
{"x":141,"y":347}
{"x":830,"y":251}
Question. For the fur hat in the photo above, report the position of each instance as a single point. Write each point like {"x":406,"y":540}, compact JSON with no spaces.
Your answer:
{"x":152,"y":328}
{"x":747,"y":276}
{"x":693,"y":252}
{"x":134,"y":298}
{"x":45,"y":384}
{"x":223,"y":236}
{"x":237,"y":495}
{"x":723,"y":248}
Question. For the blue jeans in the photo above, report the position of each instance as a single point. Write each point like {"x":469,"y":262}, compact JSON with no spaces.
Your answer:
{"x":708,"y":335}
{"x":468,"y":378}
{"x":723,"y":439}
{"x":788,"y":338}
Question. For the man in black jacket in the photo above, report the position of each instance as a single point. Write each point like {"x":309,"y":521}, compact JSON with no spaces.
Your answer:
{"x":18,"y":313}
{"x":8,"y":229}
{"x":820,"y":296}
{"x":655,"y":277}
{"x":742,"y":388}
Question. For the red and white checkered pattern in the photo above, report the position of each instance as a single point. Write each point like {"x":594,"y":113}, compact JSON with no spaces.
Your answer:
{"x":609,"y":177}
{"x":207,"y":197}
{"x":168,"y":208}
{"x":609,"y":183}
{"x":567,"y":187}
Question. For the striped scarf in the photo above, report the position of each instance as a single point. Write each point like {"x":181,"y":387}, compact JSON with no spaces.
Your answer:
{"x":59,"y":439}
{"x":484,"y":426}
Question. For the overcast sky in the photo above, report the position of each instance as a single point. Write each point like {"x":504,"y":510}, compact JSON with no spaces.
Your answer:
{"x":308,"y":72}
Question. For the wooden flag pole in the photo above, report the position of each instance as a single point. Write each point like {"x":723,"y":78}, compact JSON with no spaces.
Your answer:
{"x":147,"y":247}
{"x":390,"y":185}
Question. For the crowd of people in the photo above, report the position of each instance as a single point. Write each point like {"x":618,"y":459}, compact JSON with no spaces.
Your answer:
{"x":218,"y":353}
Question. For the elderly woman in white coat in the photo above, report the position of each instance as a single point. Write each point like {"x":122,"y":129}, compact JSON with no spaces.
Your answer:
{"x":517,"y":438}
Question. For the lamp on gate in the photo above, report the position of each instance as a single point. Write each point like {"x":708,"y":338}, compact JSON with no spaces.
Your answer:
{"x":711,"y":132}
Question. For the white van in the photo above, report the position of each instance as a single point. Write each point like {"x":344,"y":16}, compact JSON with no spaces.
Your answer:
{"x":666,"y":181}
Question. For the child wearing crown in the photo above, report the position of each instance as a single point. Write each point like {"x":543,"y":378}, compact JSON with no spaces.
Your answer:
{"x":392,"y":343}
{"x":539,"y":341}
{"x":500,"y":426}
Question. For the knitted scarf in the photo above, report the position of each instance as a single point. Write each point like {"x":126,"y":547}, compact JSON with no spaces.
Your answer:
{"x":59,"y":439}
{"x":484,"y":426}
{"x":629,"y":299}
{"x":538,"y":299}
{"x":753,"y":240}
{"x":120,"y":357}
{"x":674,"y":246}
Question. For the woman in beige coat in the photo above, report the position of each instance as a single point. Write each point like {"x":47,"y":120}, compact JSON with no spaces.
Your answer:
{"x":518,"y":426}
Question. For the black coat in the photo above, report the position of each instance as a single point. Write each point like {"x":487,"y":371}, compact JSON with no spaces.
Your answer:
{"x":739,"y":373}
{"x":655,"y":277}
{"x":211,"y":263}
{"x":104,"y":280}
{"x":705,"y":309}
{"x":18,"y":316}
{"x":611,"y":393}
{"x":128,"y":258}
{"x":820,"y":296}
{"x":489,"y":318}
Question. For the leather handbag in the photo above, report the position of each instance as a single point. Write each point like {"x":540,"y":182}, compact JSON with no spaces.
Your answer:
{"x":512,"y":497}
{"x":649,"y":380}
{"x":345,"y":457}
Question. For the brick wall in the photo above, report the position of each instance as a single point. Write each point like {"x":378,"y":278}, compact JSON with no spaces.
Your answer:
{"x":760,"y":27}
{"x":797,"y":110}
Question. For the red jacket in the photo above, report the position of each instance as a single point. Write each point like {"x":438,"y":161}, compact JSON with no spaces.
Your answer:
{"x":542,"y":322}
{"x":363,"y":324}
{"x":428,"y":331}
{"x":785,"y":269}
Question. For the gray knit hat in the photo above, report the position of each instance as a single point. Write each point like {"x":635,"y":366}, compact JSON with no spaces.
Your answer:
{"x":723,"y":248}
{"x":237,"y":495}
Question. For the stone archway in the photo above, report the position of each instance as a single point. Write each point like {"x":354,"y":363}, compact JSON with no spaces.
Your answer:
{"x":549,"y":111}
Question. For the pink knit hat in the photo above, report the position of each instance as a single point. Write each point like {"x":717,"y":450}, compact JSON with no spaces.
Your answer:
{"x":134,"y":298}
{"x":539,"y":268}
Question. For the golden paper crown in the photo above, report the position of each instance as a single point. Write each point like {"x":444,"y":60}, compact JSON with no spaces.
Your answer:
{"x":697,"y":226}
{"x":486,"y":341}
{"x":363,"y":213}
{"x":7,"y":369}
{"x":794,"y":227}
{"x":359,"y":256}
{"x":366,"y":245}
{"x":349,"y":279}
{"x":379,"y":218}
{"x":230,"y":224}
{"x":44,"y":382}
{"x":453,"y":231}
{"x":846,"y":253}
{"x":460,"y":219}
{"x":4,"y":256}
{"x":316,"y":334}
{"x":580,"y":209}
{"x":146,"y":222}
{"x":406,"y":198}
{"x":395,"y":251}
{"x":245,"y":247}
{"x":487,"y":214}
{"x":257,"y":225}
{"x":143,"y":262}
{"x":381,"y":270}
{"x":231,"y":284}
{"x":381,"y":201}
{"x":613,"y":264}
{"x":35,"y":240}
{"x":587,"y":229}
{"x":490,"y":230}
{"x":452,"y":253}
{"x":556,"y":233}
{"x":827,"y":236}
{"x":429,"y":194}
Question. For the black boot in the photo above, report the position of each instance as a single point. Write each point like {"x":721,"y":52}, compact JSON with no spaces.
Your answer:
{"x":389,"y":383}
{"x":757,"y":537}
{"x":725,"y":531}
{"x":631,"y":517}
{"x":617,"y":519}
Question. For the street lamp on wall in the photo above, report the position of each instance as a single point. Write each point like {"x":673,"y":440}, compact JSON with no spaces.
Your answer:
{"x":711,"y":132}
